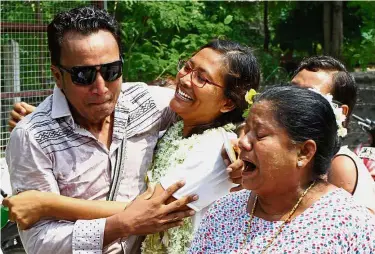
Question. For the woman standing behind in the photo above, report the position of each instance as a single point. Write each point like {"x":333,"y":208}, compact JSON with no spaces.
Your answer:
{"x":287,"y":207}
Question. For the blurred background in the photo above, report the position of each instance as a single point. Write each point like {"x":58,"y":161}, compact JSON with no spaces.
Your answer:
{"x":156,"y":34}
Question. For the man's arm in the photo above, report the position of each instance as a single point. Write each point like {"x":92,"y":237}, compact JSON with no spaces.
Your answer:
{"x":162,"y":97}
{"x":30,"y":169}
{"x":29,"y":207}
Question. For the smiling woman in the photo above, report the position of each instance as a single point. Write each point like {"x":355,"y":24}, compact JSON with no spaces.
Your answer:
{"x":291,"y":137}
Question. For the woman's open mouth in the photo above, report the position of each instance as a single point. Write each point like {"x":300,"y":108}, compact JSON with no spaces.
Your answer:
{"x":249,"y":166}
{"x":183,"y":96}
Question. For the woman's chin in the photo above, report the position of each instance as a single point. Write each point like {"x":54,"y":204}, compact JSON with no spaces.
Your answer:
{"x":250,"y":179}
{"x":179,"y":107}
{"x":250,"y":174}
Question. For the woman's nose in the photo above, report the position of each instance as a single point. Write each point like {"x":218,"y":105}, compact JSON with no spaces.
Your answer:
{"x":244,"y":144}
{"x":187,"y":80}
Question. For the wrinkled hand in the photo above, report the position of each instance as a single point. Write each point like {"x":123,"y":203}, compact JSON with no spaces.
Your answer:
{"x":25,"y":208}
{"x":234,"y":169}
{"x":20,"y":110}
{"x":148,"y":216}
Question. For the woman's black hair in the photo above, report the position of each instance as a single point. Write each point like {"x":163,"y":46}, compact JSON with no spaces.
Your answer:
{"x":305,"y":115}
{"x":242,"y":74}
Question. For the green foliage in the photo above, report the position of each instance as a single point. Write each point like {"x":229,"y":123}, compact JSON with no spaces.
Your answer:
{"x":157,"y":34}
{"x":360,"y":50}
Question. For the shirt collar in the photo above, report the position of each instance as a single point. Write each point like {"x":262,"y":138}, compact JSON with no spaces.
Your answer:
{"x":60,"y":107}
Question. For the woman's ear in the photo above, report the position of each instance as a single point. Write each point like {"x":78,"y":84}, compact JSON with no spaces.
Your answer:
{"x":307,"y":152}
{"x":228,"y":106}
{"x":57,"y":74}
{"x":345,"y":109}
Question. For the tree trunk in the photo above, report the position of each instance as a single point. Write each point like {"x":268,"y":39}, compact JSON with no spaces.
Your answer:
{"x":327,"y":27}
{"x":266,"y":28}
{"x":337,"y":29}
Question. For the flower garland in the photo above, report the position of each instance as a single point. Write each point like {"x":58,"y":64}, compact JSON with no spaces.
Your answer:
{"x":337,"y":110}
{"x":172,"y":150}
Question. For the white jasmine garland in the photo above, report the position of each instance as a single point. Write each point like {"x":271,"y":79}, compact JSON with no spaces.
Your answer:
{"x":171,"y":151}
{"x":337,"y":110}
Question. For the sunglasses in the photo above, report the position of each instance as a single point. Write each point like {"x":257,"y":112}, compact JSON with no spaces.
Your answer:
{"x":86,"y":75}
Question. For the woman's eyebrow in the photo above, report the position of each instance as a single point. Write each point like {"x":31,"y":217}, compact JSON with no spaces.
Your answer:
{"x":209,"y":76}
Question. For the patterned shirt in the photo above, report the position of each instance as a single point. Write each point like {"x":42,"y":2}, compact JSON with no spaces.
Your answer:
{"x":48,"y":151}
{"x":333,"y":224}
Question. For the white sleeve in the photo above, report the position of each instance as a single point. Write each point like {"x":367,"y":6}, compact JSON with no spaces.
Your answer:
{"x":204,"y":172}
{"x":30,"y":168}
{"x":162,"y":97}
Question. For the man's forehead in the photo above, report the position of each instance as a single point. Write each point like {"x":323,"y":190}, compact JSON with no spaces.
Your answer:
{"x":321,"y":80}
{"x":89,"y":49}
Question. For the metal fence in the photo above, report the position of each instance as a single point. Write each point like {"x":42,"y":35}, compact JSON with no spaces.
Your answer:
{"x":25,"y":63}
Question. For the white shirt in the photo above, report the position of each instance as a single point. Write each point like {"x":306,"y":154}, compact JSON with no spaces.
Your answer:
{"x":47,"y":151}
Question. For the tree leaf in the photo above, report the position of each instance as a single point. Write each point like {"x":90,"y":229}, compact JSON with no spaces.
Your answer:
{"x":228,"y":19}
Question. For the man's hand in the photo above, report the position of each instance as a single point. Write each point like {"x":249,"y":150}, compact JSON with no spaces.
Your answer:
{"x":150,"y":216}
{"x":234,"y":169}
{"x":20,"y":110}
{"x":25,"y":208}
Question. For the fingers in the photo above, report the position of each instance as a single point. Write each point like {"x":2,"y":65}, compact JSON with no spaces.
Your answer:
{"x":5,"y":202}
{"x":20,"y":110}
{"x":11,"y":124}
{"x":29,"y":108}
{"x":235,"y":171}
{"x":148,"y":193}
{"x":170,"y":190}
{"x":237,"y":188}
{"x":179,"y":203}
{"x":16,"y":116}
{"x":225,"y":156}
{"x":177,"y":216}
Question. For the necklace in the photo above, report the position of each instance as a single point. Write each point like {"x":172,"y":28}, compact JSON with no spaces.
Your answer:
{"x":282,"y":225}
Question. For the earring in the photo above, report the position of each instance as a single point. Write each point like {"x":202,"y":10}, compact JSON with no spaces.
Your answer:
{"x":299,"y":164}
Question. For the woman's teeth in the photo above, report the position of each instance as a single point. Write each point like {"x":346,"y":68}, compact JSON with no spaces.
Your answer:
{"x":249,"y":166}
{"x":184,"y":95}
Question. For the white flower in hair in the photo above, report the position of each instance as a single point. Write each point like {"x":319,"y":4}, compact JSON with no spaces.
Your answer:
{"x":337,"y":110}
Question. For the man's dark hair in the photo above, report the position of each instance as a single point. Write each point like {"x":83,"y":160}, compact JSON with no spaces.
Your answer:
{"x":84,"y":20}
{"x":344,"y":88}
{"x":305,"y":115}
{"x":242,"y":74}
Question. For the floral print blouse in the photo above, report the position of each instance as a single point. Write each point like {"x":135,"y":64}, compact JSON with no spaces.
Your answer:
{"x":333,"y":224}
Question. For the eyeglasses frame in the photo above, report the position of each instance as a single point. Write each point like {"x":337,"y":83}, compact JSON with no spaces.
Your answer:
{"x":183,"y":62}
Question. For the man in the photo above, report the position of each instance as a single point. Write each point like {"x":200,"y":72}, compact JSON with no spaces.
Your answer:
{"x":347,"y":171}
{"x":92,"y":139}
